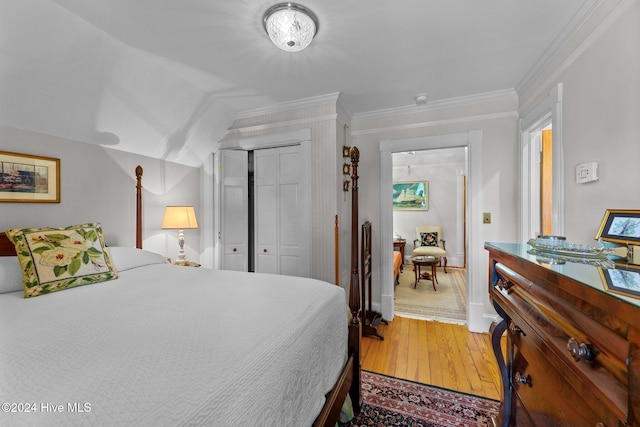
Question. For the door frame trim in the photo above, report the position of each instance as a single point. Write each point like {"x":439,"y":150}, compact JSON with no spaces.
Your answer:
{"x":548,"y":110}
{"x":477,"y":320}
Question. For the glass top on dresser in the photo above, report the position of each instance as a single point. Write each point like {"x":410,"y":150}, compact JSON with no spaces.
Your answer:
{"x":621,"y":280}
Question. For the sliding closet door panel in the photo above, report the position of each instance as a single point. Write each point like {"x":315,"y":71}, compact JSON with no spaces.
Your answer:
{"x":291,"y":219}
{"x":282,"y":211}
{"x":234,"y":211}
{"x":266,"y":210}
{"x":290,"y":225}
{"x":294,"y":197}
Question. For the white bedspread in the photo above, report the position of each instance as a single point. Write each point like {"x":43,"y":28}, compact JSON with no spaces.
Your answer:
{"x":168,"y":345}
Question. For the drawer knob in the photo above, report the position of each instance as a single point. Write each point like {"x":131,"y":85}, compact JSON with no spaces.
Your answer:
{"x":264,"y":250}
{"x":235,"y":250}
{"x":521,"y":379}
{"x":579,"y":351}
{"x":504,"y":285}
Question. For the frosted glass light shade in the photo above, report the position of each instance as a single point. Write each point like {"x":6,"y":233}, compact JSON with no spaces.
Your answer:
{"x":290,"y":26}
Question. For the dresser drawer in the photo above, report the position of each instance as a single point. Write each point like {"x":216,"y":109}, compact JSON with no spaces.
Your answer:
{"x":522,"y":417}
{"x":601,"y":382}
{"x":573,"y":346}
{"x":545,"y":392}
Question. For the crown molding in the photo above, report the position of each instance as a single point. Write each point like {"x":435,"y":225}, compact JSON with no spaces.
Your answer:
{"x":313,"y":101}
{"x":440,"y":104}
{"x":432,"y":123}
{"x":286,"y":123}
{"x":586,"y":43}
{"x":567,"y":32}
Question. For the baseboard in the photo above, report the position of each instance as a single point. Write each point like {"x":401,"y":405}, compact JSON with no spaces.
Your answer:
{"x":477,"y":319}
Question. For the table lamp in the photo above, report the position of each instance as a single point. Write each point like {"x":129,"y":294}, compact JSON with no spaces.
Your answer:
{"x":180,"y":217}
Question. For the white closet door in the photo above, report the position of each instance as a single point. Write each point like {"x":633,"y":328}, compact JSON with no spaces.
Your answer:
{"x":282,"y":211}
{"x":266,"y":210}
{"x":233,"y":187}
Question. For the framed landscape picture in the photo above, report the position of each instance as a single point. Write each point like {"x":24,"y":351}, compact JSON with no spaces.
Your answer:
{"x":411,"y":195}
{"x":620,"y":226}
{"x":26,"y":178}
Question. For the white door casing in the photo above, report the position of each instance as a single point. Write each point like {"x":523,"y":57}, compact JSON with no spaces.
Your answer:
{"x":549,"y":110}
{"x":477,"y":317}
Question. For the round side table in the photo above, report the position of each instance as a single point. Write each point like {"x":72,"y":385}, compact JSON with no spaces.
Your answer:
{"x":425,"y":261}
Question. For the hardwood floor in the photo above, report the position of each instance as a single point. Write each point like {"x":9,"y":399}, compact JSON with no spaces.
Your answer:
{"x":435,"y":353}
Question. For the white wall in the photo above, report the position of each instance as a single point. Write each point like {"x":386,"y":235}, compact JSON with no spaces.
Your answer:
{"x":600,"y":73}
{"x":98,"y":185}
{"x":496,"y":118}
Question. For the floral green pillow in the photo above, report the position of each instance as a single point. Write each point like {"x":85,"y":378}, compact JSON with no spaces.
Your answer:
{"x":53,"y":259}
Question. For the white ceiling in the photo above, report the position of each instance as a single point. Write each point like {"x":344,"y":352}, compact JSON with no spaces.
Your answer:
{"x":166,"y":78}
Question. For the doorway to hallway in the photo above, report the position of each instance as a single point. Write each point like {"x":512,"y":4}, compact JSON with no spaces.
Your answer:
{"x":476,"y":277}
{"x":440,"y":174}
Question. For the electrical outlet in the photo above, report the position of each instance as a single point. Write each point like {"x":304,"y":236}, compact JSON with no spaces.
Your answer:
{"x":486,"y":218}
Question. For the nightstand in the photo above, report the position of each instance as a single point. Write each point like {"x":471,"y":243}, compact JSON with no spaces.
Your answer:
{"x":184,"y":264}
{"x":400,"y":243}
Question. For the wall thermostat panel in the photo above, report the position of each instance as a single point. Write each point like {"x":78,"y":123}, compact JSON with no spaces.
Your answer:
{"x":587,"y":172}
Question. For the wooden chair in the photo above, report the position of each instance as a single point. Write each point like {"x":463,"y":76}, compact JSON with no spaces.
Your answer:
{"x":429,"y":241}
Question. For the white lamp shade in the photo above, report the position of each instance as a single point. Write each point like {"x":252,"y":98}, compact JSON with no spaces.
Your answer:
{"x":179,"y":217}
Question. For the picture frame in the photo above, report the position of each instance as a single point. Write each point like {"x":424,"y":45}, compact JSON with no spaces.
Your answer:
{"x":623,"y":279}
{"x":411,"y":195}
{"x":28,"y":178}
{"x":620,"y":226}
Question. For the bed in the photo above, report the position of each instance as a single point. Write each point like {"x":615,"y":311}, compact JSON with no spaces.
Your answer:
{"x":168,"y":345}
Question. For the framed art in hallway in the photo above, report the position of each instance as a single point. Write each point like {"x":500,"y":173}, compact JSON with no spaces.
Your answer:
{"x":29,"y":178}
{"x":411,"y":195}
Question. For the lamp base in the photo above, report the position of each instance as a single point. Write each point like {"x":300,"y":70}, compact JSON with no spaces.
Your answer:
{"x":182,"y":258}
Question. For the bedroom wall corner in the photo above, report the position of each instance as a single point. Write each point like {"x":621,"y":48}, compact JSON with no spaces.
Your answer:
{"x":599,"y":69}
{"x":97,"y":184}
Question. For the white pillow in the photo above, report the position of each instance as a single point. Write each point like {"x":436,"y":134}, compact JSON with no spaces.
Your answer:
{"x":126,"y":258}
{"x":10,"y":274}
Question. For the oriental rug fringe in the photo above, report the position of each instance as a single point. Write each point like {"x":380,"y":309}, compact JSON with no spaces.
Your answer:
{"x":394,"y":402}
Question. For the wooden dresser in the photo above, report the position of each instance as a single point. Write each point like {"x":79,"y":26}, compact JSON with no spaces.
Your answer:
{"x":573,"y":341}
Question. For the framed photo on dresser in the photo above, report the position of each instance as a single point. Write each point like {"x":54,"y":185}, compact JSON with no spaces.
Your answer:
{"x":624,"y":279}
{"x":620,"y":226}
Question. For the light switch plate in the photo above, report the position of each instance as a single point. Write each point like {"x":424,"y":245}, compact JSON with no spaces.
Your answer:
{"x":587,"y":172}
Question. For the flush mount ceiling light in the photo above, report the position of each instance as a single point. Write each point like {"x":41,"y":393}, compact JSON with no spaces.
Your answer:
{"x":290,"y":26}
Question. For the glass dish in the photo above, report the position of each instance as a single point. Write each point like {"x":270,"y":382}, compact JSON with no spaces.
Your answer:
{"x":564,"y":248}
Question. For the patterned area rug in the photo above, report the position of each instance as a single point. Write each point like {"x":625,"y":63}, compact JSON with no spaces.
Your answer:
{"x":394,"y":402}
{"x":447,"y":304}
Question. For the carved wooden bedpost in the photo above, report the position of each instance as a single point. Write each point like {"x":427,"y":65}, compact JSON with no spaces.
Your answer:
{"x":139,"y":207}
{"x":354,"y":291}
{"x":355,"y":334}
